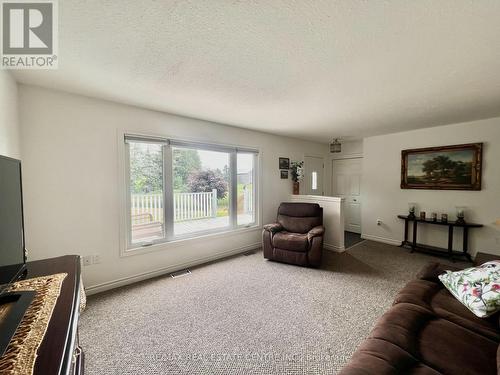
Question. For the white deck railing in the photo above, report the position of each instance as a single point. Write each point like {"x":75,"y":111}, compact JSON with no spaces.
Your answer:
{"x":190,"y":206}
{"x":146,"y":208}
{"x":247,"y":200}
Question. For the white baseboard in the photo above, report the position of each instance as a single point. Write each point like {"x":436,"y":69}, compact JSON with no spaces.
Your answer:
{"x":389,"y":241}
{"x":165,"y":270}
{"x":335,"y":248}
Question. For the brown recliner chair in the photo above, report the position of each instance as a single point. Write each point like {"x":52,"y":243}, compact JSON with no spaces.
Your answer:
{"x":297,"y":237}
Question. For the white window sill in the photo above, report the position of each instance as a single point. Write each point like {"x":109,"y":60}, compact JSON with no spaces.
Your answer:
{"x":186,"y":241}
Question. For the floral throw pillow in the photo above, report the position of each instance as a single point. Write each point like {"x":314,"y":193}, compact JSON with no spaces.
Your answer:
{"x":478,"y":288}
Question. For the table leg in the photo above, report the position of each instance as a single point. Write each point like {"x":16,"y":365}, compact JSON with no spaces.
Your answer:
{"x":466,"y":244}
{"x":406,"y":234}
{"x":414,"y":245}
{"x":450,"y":241}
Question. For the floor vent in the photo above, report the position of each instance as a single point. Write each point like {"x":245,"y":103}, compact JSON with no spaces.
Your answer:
{"x":251,"y":252}
{"x":180,"y":273}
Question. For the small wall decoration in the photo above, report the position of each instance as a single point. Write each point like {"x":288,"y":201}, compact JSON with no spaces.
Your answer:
{"x":455,"y":167}
{"x":284,"y":163}
{"x":284,"y":175}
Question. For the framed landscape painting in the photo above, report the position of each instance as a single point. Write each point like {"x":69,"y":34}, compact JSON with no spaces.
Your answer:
{"x":455,"y":167}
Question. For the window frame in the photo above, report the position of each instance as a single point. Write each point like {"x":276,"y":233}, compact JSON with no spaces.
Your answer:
{"x":169,"y":239}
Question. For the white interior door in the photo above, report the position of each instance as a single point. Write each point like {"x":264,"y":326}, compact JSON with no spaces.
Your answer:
{"x":346,"y":183}
{"x":313,"y":175}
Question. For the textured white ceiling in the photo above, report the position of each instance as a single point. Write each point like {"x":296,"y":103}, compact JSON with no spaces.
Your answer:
{"x":309,"y":69}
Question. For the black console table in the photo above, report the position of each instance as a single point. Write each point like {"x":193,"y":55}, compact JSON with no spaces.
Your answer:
{"x":414,"y":246}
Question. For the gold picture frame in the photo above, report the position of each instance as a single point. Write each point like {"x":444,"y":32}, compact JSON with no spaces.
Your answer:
{"x":455,"y":167}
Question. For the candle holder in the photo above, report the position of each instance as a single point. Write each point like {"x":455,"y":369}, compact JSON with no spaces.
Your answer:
{"x":422,"y":215}
{"x":444,"y":218}
{"x":411,"y":210}
{"x":460,"y":214}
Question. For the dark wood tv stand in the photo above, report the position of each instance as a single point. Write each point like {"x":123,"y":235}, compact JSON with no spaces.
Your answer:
{"x":449,"y":252}
{"x":60,"y":352}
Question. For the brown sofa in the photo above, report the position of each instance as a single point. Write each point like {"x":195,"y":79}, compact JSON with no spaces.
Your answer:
{"x":297,"y":235}
{"x":428,"y":331}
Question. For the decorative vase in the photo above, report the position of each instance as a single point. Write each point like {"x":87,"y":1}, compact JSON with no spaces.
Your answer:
{"x":296,"y":188}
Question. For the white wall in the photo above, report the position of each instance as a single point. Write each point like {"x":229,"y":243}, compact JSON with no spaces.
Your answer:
{"x":9,"y":120}
{"x":71,"y":180}
{"x":383,"y":198}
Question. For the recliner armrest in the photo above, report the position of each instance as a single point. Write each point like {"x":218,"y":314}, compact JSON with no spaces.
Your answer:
{"x":273,"y":228}
{"x":316,"y":232}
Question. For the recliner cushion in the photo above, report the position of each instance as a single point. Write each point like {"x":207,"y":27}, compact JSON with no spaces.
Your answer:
{"x":291,"y":241}
{"x":297,"y":209}
{"x":299,"y":224}
{"x":292,"y":257}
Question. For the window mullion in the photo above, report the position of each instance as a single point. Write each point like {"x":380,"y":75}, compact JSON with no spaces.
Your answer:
{"x":255,"y":182}
{"x":233,"y":188}
{"x":168,"y":192}
{"x":129,"y":195}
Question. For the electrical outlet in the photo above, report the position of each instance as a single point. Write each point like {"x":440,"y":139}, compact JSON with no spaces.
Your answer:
{"x":96,"y":259}
{"x":379,"y":221}
{"x":87,"y":260}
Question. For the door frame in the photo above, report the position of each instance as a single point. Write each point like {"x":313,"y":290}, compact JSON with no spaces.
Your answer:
{"x":346,"y":157}
{"x":352,"y":156}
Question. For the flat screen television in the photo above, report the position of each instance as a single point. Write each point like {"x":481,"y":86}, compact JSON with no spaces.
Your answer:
{"x":12,"y":250}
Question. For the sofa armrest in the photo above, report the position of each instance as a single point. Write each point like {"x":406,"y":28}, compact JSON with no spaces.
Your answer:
{"x":273,"y":228}
{"x":315,"y":232}
{"x":432,"y":270}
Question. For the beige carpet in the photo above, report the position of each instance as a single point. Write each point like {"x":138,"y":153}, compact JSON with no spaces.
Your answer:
{"x":246,"y":315}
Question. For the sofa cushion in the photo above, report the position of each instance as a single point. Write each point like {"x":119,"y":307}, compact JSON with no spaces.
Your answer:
{"x":478,"y":288}
{"x":428,"y":331}
{"x":498,"y":359}
{"x":436,"y":298}
{"x":291,"y":241}
{"x":381,"y":357}
{"x":411,"y":339}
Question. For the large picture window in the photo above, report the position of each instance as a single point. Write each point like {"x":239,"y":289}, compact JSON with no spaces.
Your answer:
{"x":179,"y":189}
